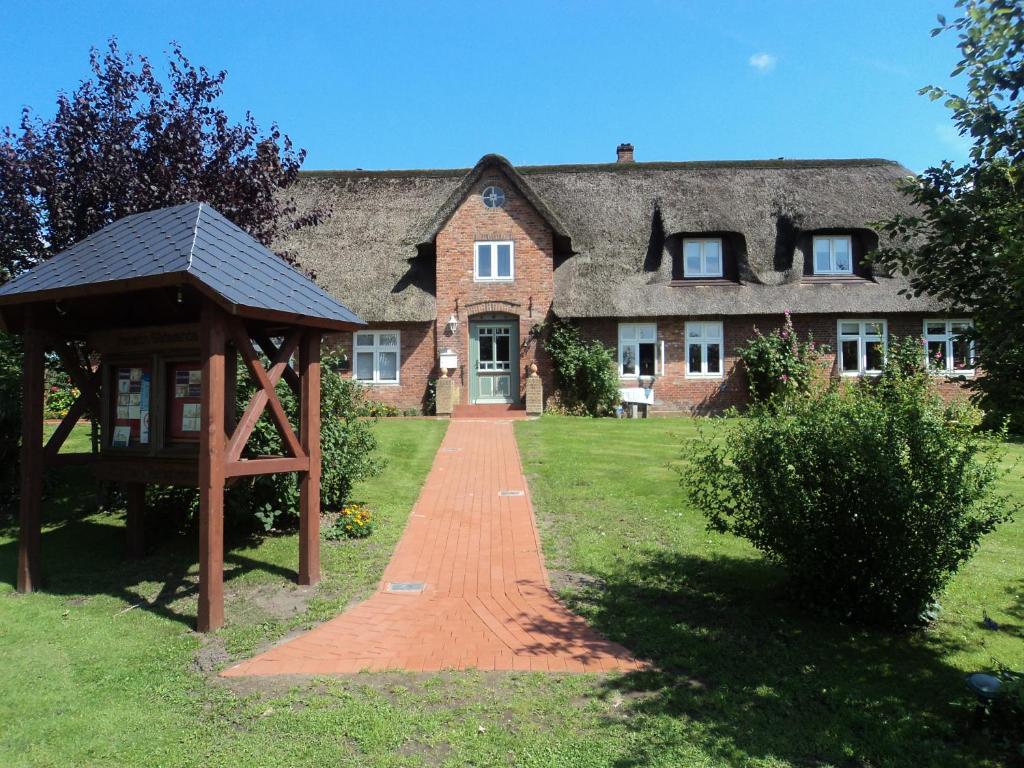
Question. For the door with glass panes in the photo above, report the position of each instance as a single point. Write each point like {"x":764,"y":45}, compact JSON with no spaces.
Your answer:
{"x":494,"y":362}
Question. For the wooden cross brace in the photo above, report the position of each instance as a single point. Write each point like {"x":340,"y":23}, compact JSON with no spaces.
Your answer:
{"x":88,"y":400}
{"x":265,"y":397}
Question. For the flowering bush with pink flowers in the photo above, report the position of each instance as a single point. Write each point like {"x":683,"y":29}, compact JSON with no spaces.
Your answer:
{"x":780,"y":364}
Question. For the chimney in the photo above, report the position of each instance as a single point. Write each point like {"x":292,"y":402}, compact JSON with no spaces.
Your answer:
{"x":624,"y":153}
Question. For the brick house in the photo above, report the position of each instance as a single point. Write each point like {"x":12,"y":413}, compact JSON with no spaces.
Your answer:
{"x":672,"y":264}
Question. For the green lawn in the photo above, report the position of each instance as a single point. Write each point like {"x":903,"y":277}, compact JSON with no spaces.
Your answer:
{"x":748,"y":679}
{"x":103,"y":668}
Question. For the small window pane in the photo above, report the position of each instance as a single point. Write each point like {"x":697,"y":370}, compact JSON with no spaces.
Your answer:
{"x":849,"y":329}
{"x":387,"y":340}
{"x":502,"y":348}
{"x":962,"y":355}
{"x":693,"y":258}
{"x":504,"y":261}
{"x":850,"y":362}
{"x":364,"y":366}
{"x":693,"y":358}
{"x":627,"y":332}
{"x":841,"y":248}
{"x":875,"y":355}
{"x":822,"y":259}
{"x":936,"y":328}
{"x":486,"y":348}
{"x":648,"y":332}
{"x":959,"y":327}
{"x":695,"y":330}
{"x":713,"y":261}
{"x":873,"y":329}
{"x":388,"y":366}
{"x":936,"y":354}
{"x":364,"y":340}
{"x":483,"y":260}
{"x":714,"y":358}
{"x":629,"y":360}
{"x":713,"y":330}
{"x":502,"y":386}
{"x":646,"y":359}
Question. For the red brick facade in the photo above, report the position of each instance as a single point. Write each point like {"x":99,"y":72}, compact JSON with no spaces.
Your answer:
{"x":675,"y":392}
{"x":527,"y":298}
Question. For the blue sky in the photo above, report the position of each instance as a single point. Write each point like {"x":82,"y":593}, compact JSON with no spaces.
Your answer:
{"x":438,"y":84}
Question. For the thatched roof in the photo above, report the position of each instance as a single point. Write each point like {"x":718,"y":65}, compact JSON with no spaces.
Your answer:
{"x":612,"y":220}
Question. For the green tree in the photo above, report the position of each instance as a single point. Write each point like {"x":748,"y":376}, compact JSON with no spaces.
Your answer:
{"x":584,"y":373}
{"x":964,"y":244}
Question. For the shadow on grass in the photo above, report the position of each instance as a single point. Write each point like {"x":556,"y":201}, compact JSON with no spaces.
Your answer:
{"x":747,"y":676}
{"x":84,"y":552}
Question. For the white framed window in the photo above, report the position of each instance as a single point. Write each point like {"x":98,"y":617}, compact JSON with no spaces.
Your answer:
{"x":376,"y":356}
{"x":638,"y":350}
{"x":947,"y":350}
{"x":862,"y":346}
{"x":704,"y":349}
{"x":494,"y":260}
{"x":833,"y":255}
{"x":702,"y":257}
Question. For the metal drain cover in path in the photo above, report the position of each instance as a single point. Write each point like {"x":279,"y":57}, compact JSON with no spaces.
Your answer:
{"x":511,"y":493}
{"x":406,"y":587}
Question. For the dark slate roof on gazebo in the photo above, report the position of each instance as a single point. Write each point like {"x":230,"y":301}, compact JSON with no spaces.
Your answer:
{"x":191,"y":240}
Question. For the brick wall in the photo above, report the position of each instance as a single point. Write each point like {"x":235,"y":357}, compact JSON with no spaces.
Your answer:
{"x":673,"y":391}
{"x":527,"y":297}
{"x":418,"y":364}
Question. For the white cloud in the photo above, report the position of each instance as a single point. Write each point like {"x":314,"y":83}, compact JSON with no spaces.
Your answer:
{"x":762,"y":62}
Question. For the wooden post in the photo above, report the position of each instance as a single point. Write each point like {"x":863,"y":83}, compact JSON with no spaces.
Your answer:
{"x":136,"y":493}
{"x":211,"y":470}
{"x":30,"y":516}
{"x":309,"y":482}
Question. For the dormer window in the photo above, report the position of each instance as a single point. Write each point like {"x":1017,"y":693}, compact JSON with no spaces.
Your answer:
{"x":702,"y":257}
{"x":833,"y":255}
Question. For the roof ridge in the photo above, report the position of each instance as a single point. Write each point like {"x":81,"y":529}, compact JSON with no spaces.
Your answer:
{"x":195,"y":235}
{"x":766,"y":164}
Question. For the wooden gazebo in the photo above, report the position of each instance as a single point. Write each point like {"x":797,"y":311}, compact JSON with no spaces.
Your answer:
{"x":164,"y":301}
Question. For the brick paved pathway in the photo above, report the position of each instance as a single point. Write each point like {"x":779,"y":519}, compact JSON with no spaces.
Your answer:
{"x":485,"y":603}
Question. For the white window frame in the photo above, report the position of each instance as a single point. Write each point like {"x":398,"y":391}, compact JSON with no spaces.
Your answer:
{"x":947,"y":338}
{"x":704,"y":340}
{"x":493,"y":278}
{"x":635,"y":342}
{"x":376,"y":349}
{"x":703,"y":241}
{"x":862,"y":338}
{"x":831,"y":254}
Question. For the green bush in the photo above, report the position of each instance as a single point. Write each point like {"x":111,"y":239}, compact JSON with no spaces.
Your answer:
{"x":870,"y":497}
{"x":10,"y":418}
{"x":1007,"y":710}
{"x":584,"y":373}
{"x":347,"y":446}
{"x":779,"y":366}
{"x":60,"y":393}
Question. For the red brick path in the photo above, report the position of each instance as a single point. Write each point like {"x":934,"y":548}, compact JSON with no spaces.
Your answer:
{"x":486,"y":603}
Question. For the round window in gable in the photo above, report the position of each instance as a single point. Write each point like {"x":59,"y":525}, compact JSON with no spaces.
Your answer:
{"x":494,"y":197}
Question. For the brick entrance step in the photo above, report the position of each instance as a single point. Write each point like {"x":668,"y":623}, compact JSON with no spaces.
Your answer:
{"x":465,"y":588}
{"x":489,"y":411}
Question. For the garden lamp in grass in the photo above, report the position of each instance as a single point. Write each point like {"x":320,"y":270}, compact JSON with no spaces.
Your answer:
{"x":985,"y":688}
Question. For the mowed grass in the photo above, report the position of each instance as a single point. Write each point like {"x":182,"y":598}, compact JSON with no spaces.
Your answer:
{"x":747,"y":677}
{"x":102,"y":666}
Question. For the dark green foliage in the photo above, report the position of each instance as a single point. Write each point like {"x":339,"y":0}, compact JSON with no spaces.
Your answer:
{"x":964,"y":244}
{"x":870,"y":498}
{"x":779,"y":366}
{"x":126,"y":140}
{"x":1006,"y":713}
{"x":347,"y":445}
{"x":10,"y":417}
{"x":584,"y":373}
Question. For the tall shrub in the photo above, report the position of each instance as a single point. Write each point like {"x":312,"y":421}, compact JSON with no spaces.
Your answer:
{"x":584,"y":373}
{"x":870,"y":498}
{"x":780,"y":365}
